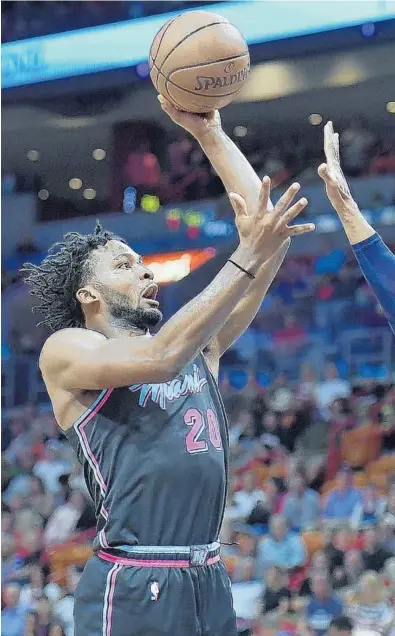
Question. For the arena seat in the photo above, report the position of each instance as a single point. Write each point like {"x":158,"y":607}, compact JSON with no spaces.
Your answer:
{"x":230,"y":563}
{"x":61,"y":557}
{"x":360,"y":446}
{"x":384,"y":465}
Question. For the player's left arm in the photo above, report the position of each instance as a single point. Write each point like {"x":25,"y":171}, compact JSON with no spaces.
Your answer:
{"x":375,"y":259}
{"x":237,"y":175}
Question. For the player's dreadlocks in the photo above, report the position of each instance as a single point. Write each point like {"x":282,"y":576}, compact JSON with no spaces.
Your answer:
{"x":63,"y":271}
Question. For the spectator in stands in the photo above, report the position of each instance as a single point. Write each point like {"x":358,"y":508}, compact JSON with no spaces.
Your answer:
{"x":20,"y":483}
{"x":33,"y":591}
{"x":370,"y":509}
{"x":292,"y":337}
{"x":269,"y":438}
{"x":387,"y":535}
{"x":276,"y":592}
{"x":369,"y":608}
{"x":52,"y":467}
{"x":281,"y":394}
{"x":40,"y":500}
{"x":356,"y":142}
{"x":301,"y":506}
{"x":331,"y":389}
{"x":32,"y":624}
{"x":389,"y":512}
{"x":282,"y":548}
{"x":142,"y":170}
{"x":308,"y":381}
{"x":349,"y":574}
{"x":341,"y":502}
{"x":244,"y":500}
{"x":341,"y":626}
{"x":10,"y":561}
{"x":385,"y":161}
{"x":13,"y":614}
{"x":63,"y":522}
{"x":374,"y":554}
{"x":322,"y":608}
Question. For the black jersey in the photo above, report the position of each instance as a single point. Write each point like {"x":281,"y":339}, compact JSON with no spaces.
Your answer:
{"x":155,"y":460}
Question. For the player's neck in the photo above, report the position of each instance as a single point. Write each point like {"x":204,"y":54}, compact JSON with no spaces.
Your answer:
{"x":115,"y":328}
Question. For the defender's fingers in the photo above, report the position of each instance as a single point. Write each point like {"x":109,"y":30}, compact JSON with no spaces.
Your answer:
{"x":327,"y":176}
{"x":301,"y":229}
{"x":238,"y":204}
{"x":328,"y":134}
{"x":293,"y":211}
{"x":264,"y":195}
{"x":284,"y":201}
{"x":336,"y":146}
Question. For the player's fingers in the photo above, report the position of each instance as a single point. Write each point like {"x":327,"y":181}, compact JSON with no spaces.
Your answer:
{"x":264,"y":195}
{"x":293,"y":211}
{"x":171,"y":110}
{"x":284,"y":201}
{"x":238,"y":204}
{"x":301,"y":229}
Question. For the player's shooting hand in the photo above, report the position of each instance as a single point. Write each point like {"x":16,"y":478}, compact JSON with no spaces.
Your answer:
{"x":331,"y":172}
{"x":197,"y":125}
{"x":265,"y":230}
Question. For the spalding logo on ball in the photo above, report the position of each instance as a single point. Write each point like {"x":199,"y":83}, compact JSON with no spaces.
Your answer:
{"x":199,"y":61}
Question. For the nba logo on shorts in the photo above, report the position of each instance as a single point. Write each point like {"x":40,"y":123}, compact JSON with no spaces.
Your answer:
{"x":154,"y":591}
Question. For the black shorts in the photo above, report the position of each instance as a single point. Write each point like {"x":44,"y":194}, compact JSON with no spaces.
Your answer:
{"x":115,"y":597}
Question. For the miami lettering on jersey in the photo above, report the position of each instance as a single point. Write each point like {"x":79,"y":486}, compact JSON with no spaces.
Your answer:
{"x":190,"y":383}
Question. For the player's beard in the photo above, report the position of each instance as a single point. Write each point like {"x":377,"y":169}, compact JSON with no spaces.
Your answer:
{"x":124,"y":314}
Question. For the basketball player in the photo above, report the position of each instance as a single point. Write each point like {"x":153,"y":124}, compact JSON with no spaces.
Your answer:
{"x":144,"y":414}
{"x":375,"y":259}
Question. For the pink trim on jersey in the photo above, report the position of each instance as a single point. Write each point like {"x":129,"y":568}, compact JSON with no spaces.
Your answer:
{"x":88,"y":449}
{"x":104,"y":512}
{"x":152,"y":563}
{"x":103,"y":539}
{"x":109,"y":598}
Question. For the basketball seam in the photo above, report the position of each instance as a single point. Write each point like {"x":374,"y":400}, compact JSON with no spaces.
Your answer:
{"x":192,"y":92}
{"x":188,"y":36}
{"x":160,"y":41}
{"x":225,"y":59}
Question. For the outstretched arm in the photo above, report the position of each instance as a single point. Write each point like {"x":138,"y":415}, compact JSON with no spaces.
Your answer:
{"x":376,"y":261}
{"x":237,"y":175}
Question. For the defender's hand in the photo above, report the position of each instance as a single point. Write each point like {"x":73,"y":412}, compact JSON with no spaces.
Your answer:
{"x":198,"y":125}
{"x":264,"y":231}
{"x":331,"y":172}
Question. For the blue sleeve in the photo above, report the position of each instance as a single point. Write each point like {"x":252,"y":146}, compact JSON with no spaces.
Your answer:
{"x":377,"y":263}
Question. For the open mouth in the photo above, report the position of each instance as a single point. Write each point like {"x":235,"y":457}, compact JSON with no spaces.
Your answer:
{"x":150,"y":293}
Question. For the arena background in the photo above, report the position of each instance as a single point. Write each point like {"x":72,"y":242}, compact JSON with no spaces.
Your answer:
{"x":308,"y":389}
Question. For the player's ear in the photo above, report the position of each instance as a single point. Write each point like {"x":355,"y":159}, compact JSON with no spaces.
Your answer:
{"x":87,"y":295}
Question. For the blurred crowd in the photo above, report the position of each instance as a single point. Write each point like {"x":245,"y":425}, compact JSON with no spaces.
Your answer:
{"x":27,"y":19}
{"x":311,"y":510}
{"x":176,"y":169}
{"x":180,"y":171}
{"x":309,"y":530}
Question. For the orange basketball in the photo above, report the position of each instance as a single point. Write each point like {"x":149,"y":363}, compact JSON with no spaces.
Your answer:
{"x":199,"y":61}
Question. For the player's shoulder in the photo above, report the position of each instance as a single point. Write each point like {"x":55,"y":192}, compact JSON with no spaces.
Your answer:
{"x":64,"y":342}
